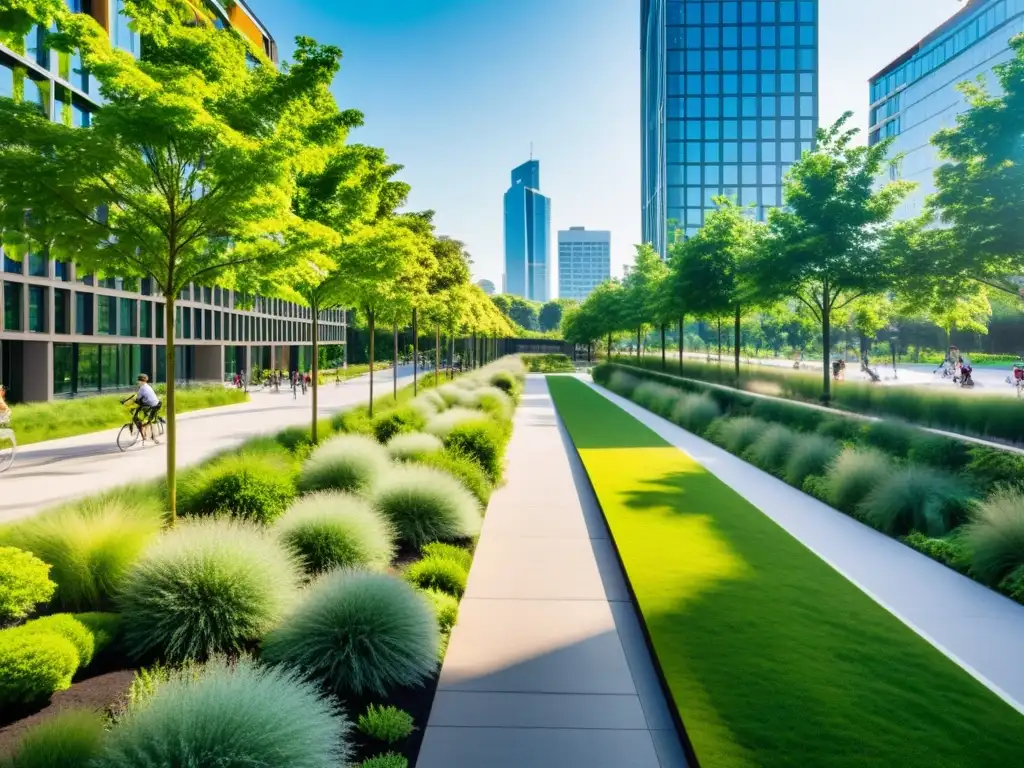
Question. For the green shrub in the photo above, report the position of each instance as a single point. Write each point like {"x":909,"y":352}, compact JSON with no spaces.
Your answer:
{"x":331,"y":529}
{"x":464,"y":469}
{"x":738,"y":434}
{"x":69,"y":739}
{"x":1013,"y":585}
{"x":460,"y":555}
{"x":622,"y":383}
{"x":841,"y":428}
{"x":916,"y":499}
{"x":248,"y":486}
{"x":425,"y":504}
{"x":388,"y":724}
{"x":994,"y":536}
{"x":352,"y":463}
{"x":810,"y":455}
{"x":548,"y":363}
{"x":948,"y":551}
{"x":439,"y":573}
{"x":67,"y":626}
{"x":940,"y":452}
{"x":854,"y":475}
{"x":795,"y":416}
{"x":504,"y":381}
{"x":495,"y":403}
{"x":481,"y":440}
{"x":238,"y":715}
{"x":816,"y":486}
{"x":772,"y":448}
{"x":209,"y":586}
{"x":359,"y":633}
{"x":24,"y":583}
{"x":105,"y":628}
{"x":657,"y":398}
{"x":454,"y":396}
{"x":34,"y":666}
{"x":989,"y":467}
{"x":442,"y":424}
{"x":891,"y":437}
{"x":388,"y":760}
{"x":436,"y":402}
{"x":295,"y":439}
{"x":413,"y":446}
{"x":446,"y":608}
{"x":397,"y":421}
{"x":354,"y":421}
{"x":695,"y":413}
{"x":89,"y":548}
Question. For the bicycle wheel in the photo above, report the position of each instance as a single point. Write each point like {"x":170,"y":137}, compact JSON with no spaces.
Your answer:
{"x":160,"y":424}
{"x":127,"y":437}
{"x":8,"y":447}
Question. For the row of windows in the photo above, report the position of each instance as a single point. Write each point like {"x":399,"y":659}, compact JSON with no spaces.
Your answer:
{"x":733,"y":152}
{"x":746,"y":12}
{"x":733,"y":129}
{"x":728,"y":107}
{"x":765,"y":60}
{"x":762,"y":36}
{"x":933,"y":56}
{"x":693,"y":218}
{"x":697,"y":197}
{"x":716,"y":85}
{"x":695,"y":175}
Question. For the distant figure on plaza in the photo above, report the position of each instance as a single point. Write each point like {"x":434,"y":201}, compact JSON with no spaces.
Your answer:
{"x":295,"y":385}
{"x":5,"y":409}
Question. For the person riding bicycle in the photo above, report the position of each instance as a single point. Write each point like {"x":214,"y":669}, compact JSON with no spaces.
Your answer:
{"x":5,"y":409}
{"x":148,"y":404}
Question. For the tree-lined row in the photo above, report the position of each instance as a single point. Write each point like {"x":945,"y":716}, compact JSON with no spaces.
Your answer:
{"x":202,"y":169}
{"x":835,"y":247}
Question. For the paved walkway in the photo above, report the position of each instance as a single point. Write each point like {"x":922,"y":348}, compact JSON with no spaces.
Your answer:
{"x":547,"y":666}
{"x":979,"y":629}
{"x":48,"y":473}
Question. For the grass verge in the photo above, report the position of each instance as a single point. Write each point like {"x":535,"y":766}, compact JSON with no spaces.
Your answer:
{"x":772,"y":658}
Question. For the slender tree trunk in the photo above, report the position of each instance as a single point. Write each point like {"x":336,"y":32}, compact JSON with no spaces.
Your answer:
{"x":736,"y":333}
{"x":826,"y":339}
{"x":370,"y":316}
{"x":394,"y":360}
{"x":681,"y":325}
{"x":172,"y":424}
{"x":663,"y":367}
{"x":609,"y":347}
{"x":315,"y":313}
{"x":638,"y":346}
{"x":437,"y":353}
{"x":719,"y":340}
{"x":415,"y":351}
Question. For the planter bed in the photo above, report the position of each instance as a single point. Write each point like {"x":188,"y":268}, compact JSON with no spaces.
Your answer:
{"x":313,"y":534}
{"x":772,"y":658}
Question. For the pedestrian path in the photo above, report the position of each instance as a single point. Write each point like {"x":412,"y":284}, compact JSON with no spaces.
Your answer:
{"x":547,"y":665}
{"x":49,"y":473}
{"x":977,"y":628}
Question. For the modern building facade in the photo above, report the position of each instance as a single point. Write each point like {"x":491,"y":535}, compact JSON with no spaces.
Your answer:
{"x":65,"y":333}
{"x":915,"y":96}
{"x":527,"y":235}
{"x":584,"y":261}
{"x":729,"y":101}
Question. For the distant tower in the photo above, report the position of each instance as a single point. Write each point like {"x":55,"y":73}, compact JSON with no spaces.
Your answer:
{"x":527,"y":235}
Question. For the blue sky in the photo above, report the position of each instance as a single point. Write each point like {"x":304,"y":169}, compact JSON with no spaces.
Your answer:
{"x":456,"y":90}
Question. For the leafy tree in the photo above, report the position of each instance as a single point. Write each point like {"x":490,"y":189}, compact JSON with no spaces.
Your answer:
{"x":641,"y":301}
{"x":187,"y":173}
{"x":831,"y":243}
{"x":452,"y":272}
{"x":522,"y":312}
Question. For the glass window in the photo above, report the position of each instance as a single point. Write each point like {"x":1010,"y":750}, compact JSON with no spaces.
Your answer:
{"x":146,"y":319}
{"x":37,"y":265}
{"x":730,"y":174}
{"x":730,"y":60}
{"x":748,"y":37}
{"x":61,"y":311}
{"x":712,"y":152}
{"x":768,"y":83}
{"x":749,"y":196}
{"x":693,"y":174}
{"x":787,"y":129}
{"x":750,"y":106}
{"x":768,"y":36}
{"x":768,"y":152}
{"x":749,"y":174}
{"x":712,"y":129}
{"x":806,"y":106}
{"x":806,"y":129}
{"x":84,"y":314}
{"x":730,"y":106}
{"x":712,"y":174}
{"x":88,"y":367}
{"x":749,"y":129}
{"x":106,"y":310}
{"x":749,"y":152}
{"x":12,"y":306}
{"x":788,"y":152}
{"x":159,"y":314}
{"x":769,"y":196}
{"x":787,"y":106}
{"x":11,"y":266}
{"x":712,"y":61}
{"x":768,"y":129}
{"x":749,"y":59}
{"x":731,"y":129}
{"x":787,"y":59}
{"x":37,"y":309}
{"x":121,"y":33}
{"x":712,"y":84}
{"x":787,"y":82}
{"x":711,"y":107}
{"x":787,"y":11}
{"x":730,"y":151}
{"x":693,"y":197}
{"x":108,"y":367}
{"x":126,"y":318}
{"x":63,"y":369}
{"x":807,"y":58}
{"x":750,"y":83}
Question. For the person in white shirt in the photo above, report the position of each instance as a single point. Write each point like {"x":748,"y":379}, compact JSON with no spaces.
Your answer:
{"x":149,"y":404}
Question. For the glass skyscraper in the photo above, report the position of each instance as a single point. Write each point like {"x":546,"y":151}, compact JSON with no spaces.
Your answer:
{"x":915,"y":96}
{"x":527,"y":235}
{"x":729,"y":101}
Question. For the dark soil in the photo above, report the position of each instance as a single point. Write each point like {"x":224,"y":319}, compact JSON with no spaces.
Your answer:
{"x":415,"y":701}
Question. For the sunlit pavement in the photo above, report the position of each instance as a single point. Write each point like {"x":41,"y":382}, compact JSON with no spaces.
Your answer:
{"x":48,"y":473}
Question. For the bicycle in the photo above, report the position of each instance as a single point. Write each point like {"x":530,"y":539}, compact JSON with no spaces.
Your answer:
{"x":8,"y":442}
{"x":130,"y":433}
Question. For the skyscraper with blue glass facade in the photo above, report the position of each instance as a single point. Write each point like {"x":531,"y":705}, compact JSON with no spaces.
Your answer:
{"x":527,"y":235}
{"x":916,"y":95}
{"x":729,"y":101}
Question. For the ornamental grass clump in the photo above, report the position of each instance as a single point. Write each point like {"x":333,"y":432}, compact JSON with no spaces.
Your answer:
{"x":482,"y":440}
{"x":622,"y":383}
{"x":72,"y":738}
{"x":387,"y":724}
{"x":34,"y":666}
{"x":505,"y":381}
{"x":738,"y":434}
{"x":464,"y":469}
{"x":916,"y":499}
{"x":414,"y":445}
{"x":24,"y":583}
{"x":442,"y":549}
{"x":441,"y":573}
{"x":240,"y":714}
{"x":358,"y":633}
{"x":811,"y":454}
{"x":771,"y":450}
{"x":446,"y":608}
{"x":250,"y":486}
{"x":853,"y":475}
{"x":994,"y":536}
{"x":494,"y":402}
{"x":387,"y":760}
{"x":333,"y":529}
{"x":442,"y":424}
{"x":63,"y":625}
{"x":397,"y":421}
{"x":426,"y":504}
{"x":657,"y":398}
{"x":208,"y":586}
{"x":352,"y":463}
{"x":695,"y":413}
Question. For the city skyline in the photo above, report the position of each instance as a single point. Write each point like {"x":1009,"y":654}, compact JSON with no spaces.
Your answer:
{"x":527,"y":235}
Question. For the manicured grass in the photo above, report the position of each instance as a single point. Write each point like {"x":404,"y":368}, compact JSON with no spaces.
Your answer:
{"x":36,"y":422}
{"x":772,"y":658}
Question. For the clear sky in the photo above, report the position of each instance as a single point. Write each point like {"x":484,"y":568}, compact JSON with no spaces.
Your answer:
{"x":456,"y":90}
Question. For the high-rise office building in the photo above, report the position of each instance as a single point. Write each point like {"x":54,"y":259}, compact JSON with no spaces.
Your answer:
{"x":527,"y":235}
{"x":584,"y":261}
{"x":915,"y":96}
{"x":65,"y":332}
{"x":729,"y":101}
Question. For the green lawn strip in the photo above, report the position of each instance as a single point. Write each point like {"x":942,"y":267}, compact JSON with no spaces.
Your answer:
{"x":771,"y":657}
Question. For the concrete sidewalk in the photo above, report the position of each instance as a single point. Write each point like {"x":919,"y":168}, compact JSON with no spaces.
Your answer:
{"x":52,"y":472}
{"x":977,"y":628}
{"x":547,"y":666}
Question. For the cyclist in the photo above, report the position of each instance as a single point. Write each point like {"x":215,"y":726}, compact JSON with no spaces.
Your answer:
{"x":5,"y":409}
{"x":148,"y":406}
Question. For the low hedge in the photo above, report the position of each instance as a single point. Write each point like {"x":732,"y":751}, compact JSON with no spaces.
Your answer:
{"x":24,"y":583}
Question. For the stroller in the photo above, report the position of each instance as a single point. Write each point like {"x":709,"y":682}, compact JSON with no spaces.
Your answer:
{"x":964,"y":377}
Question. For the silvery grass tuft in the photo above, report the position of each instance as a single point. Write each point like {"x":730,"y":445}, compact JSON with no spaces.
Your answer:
{"x":351,"y":463}
{"x":414,"y":445}
{"x":425,"y":504}
{"x":442,"y":424}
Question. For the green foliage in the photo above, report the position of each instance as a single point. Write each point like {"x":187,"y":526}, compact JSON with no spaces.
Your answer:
{"x":658,"y":398}
{"x":622,"y":383}
{"x":33,"y":666}
{"x":816,"y":486}
{"x":105,"y":628}
{"x":916,"y":499}
{"x":69,"y":739}
{"x":840,"y":428}
{"x":359,"y":633}
{"x":441,"y":549}
{"x":24,"y":583}
{"x":332,"y":529}
{"x":89,"y":546}
{"x":446,"y":607}
{"x":388,"y":724}
{"x":940,"y":452}
{"x":397,"y":421}
{"x":989,"y":468}
{"x":1013,"y":585}
{"x":947,"y":550}
{"x":505,"y":381}
{"x":413,"y":446}
{"x":354,"y":421}
{"x":772,"y":448}
{"x":891,"y":437}
{"x":482,"y":440}
{"x":352,"y":463}
{"x":425,"y":504}
{"x":695,"y":413}
{"x":295,"y":439}
{"x":855,"y":474}
{"x":495,"y":403}
{"x":810,"y":455}
{"x":387,"y":760}
{"x":994,"y":537}
{"x":442,"y":424}
{"x":249,"y":486}
{"x":209,"y":586}
{"x":738,"y":434}
{"x":441,"y":573}
{"x":464,"y":469}
{"x":242,"y":714}
{"x":67,"y":626}
{"x":548,"y":363}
